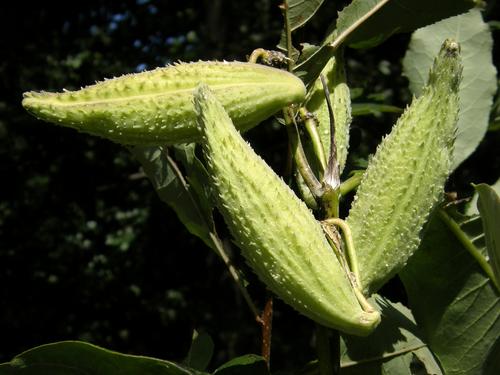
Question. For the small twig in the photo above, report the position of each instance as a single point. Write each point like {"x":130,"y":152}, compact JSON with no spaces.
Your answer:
{"x":288,"y":32}
{"x":219,"y":247}
{"x":267,"y":325}
{"x":216,"y":241}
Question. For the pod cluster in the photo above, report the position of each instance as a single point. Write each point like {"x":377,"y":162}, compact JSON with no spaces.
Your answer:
{"x":279,"y":237}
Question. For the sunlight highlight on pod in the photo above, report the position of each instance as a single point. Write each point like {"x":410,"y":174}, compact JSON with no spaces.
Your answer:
{"x":155,"y":107}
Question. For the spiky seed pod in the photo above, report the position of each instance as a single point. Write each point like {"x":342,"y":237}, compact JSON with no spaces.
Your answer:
{"x":278,"y":235}
{"x":405,"y":178}
{"x":156,"y":108}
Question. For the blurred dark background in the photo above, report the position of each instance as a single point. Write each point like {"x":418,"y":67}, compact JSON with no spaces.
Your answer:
{"x":87,"y":251}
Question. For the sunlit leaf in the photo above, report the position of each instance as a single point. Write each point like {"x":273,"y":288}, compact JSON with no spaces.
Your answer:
{"x":394,"y":17}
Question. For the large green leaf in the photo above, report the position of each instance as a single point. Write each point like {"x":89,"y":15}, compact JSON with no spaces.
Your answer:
{"x":454,"y":303}
{"x":396,"y":16}
{"x":79,"y":358}
{"x":488,"y":205}
{"x":395,"y":347}
{"x":479,"y":75}
{"x":182,"y":197}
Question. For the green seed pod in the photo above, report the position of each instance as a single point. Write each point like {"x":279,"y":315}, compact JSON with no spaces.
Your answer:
{"x":156,"y":108}
{"x":405,"y":178}
{"x":278,"y":235}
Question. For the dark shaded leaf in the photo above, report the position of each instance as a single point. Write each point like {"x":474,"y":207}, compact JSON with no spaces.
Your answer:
{"x":173,"y":191}
{"x":201,"y":351}
{"x":80,"y":358}
{"x":488,"y":205}
{"x":249,"y":364}
{"x":365,"y":109}
{"x":299,"y":12}
{"x":453,"y":301}
{"x":395,"y":347}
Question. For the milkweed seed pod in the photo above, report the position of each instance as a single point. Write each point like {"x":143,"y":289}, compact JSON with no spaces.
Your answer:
{"x":156,"y":108}
{"x":405,"y":178}
{"x":278,"y":235}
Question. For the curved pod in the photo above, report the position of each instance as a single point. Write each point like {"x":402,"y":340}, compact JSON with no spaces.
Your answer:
{"x":156,"y":108}
{"x":278,"y":235}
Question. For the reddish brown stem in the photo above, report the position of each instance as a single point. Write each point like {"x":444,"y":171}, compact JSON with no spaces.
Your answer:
{"x":267,"y":324}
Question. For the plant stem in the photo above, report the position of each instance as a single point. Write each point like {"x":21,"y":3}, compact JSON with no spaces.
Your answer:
{"x":299,"y":156}
{"x":267,"y":324}
{"x":219,"y":247}
{"x":350,"y":184}
{"x":468,"y":245}
{"x":311,"y":126}
{"x":351,"y":252}
{"x":328,"y":350}
{"x":288,"y":31}
{"x":216,"y":241}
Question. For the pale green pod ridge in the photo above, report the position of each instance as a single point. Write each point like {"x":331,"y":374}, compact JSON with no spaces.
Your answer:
{"x":278,"y":235}
{"x":156,"y":108}
{"x":340,"y":99}
{"x":405,"y":178}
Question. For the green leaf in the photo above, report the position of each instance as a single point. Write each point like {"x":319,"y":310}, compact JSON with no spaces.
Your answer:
{"x":395,"y":347}
{"x":172,"y":190}
{"x":488,"y":205}
{"x":375,"y":109}
{"x":201,"y":351}
{"x":80,"y":358}
{"x":299,"y":12}
{"x":454,"y":303}
{"x":249,"y":364}
{"x":471,"y":208}
{"x":479,"y":75}
{"x":394,"y":17}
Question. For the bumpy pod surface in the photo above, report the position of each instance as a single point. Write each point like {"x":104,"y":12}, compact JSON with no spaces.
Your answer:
{"x":156,"y":108}
{"x":278,"y":235}
{"x":405,"y":178}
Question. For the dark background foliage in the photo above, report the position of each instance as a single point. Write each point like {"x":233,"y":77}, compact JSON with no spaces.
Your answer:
{"x":87,"y":250}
